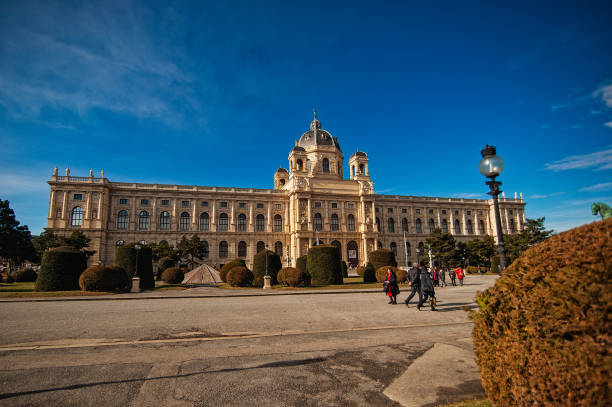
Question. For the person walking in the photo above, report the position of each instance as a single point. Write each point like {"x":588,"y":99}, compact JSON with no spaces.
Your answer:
{"x":436,"y":276}
{"x":391,"y":287}
{"x":460,"y":275}
{"x":427,"y":290}
{"x":442,"y":277}
{"x":453,"y":276}
{"x":414,"y":281}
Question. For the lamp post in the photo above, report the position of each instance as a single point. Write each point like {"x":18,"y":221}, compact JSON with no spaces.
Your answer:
{"x":135,"y":277}
{"x":491,"y":166}
{"x":267,"y":277}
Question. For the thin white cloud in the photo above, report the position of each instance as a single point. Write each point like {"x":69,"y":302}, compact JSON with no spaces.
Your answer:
{"x":608,"y":124}
{"x":544,"y":196}
{"x":604,"y":186}
{"x":598,"y":160}
{"x":605,"y":92}
{"x":469,"y":195}
{"x":16,"y":184}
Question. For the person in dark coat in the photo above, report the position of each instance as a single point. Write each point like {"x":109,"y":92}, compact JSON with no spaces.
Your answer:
{"x":392,"y":289}
{"x":453,"y":277}
{"x":414,"y":280}
{"x":427,"y":290}
{"x":442,"y":277}
{"x":435,"y":275}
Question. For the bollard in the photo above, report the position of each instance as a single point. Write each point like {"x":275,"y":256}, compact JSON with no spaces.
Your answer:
{"x":135,"y":285}
{"x":267,"y":284}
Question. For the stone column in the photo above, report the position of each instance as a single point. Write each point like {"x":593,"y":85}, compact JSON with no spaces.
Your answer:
{"x":463,"y":228}
{"x":232,"y":226}
{"x":52,"y":204}
{"x":88,"y":206}
{"x":342,"y":217}
{"x":309,"y":213}
{"x":213,"y":219}
{"x":154,"y":217}
{"x":64,"y":204}
{"x":452,"y":221}
{"x":251,"y":229}
{"x":269,"y":221}
{"x":287,"y":223}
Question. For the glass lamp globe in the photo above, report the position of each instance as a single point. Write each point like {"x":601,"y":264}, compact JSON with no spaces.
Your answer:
{"x":491,"y":166}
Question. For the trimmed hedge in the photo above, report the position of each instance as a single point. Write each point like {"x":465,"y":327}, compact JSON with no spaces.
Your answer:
{"x":293,"y":277}
{"x":344,"y":269}
{"x":259,"y":267}
{"x":25,"y":275}
{"x":300,"y":263}
{"x":542,"y":333}
{"x":100,"y":278}
{"x":239,"y":276}
{"x":165,"y":263}
{"x":495,"y":264}
{"x":323,"y":264}
{"x":173,"y":275}
{"x":381,"y":273}
{"x":367,"y":272}
{"x":228,"y":266}
{"x":382,"y":257}
{"x":60,"y":269}
{"x":401,"y":275}
{"x":125,"y":257}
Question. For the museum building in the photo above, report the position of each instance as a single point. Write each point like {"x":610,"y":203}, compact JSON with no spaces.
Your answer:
{"x":311,"y":202}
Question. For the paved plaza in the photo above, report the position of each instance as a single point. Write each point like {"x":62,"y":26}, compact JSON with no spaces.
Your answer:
{"x":212,"y":347}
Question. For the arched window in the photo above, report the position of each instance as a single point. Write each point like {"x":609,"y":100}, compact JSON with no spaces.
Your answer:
{"x":300,"y":165}
{"x":394,"y":248}
{"x":184,"y":221}
{"x":164,"y":221}
{"x":404,"y":225}
{"x":242,"y":249}
{"x":204,"y":222}
{"x":223,"y":249}
{"x":325,"y":165}
{"x":77,"y":217}
{"x":278,"y":223}
{"x":143,"y":220}
{"x":318,"y":222}
{"x":421,"y":250}
{"x":278,"y":249}
{"x":242,"y":224}
{"x":204,"y":248}
{"x":390,"y":225}
{"x":337,"y":244}
{"x":361,"y":169}
{"x":260,"y":246}
{"x":353,"y":170}
{"x":260,"y":223}
{"x":418,"y":226}
{"x":407,"y":247}
{"x":334,"y":225}
{"x":377,"y":224}
{"x":122,"y":219}
{"x":470,"y":228}
{"x":444,"y":226}
{"x":431,"y":224}
{"x":457,"y":227}
{"x":223,"y":222}
{"x":308,"y":166}
{"x":350,"y":222}
{"x":380,"y":246}
{"x":481,"y":227}
{"x":512,"y":226}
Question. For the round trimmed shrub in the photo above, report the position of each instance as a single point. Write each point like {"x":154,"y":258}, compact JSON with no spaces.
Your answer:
{"x":125,"y":257}
{"x":401,"y":275}
{"x":100,"y":278}
{"x":542,"y":332}
{"x":367,"y":272}
{"x":323,"y":264}
{"x":344,"y":269}
{"x":293,"y":277}
{"x":381,"y":273}
{"x":25,"y":275}
{"x":239,"y":276}
{"x":60,"y":269}
{"x":228,"y":266}
{"x":259,"y":267}
{"x":165,"y":263}
{"x":173,"y":275}
{"x":300,"y":263}
{"x":382,"y":257}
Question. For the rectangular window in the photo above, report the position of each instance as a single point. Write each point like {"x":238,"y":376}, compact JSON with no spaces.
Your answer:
{"x":334,"y":205}
{"x":224,"y":204}
{"x":59,"y":213}
{"x":456,"y":212}
{"x":94,"y":214}
{"x":431,"y":211}
{"x":389,"y":210}
{"x":510,"y":212}
{"x":144,"y":202}
{"x":277,"y":206}
{"x":376,"y":210}
{"x":204,"y":203}
{"x":443,"y":211}
{"x":259,"y":205}
{"x":123,"y":201}
{"x":404,"y":210}
{"x":165,"y":202}
{"x":185,"y":204}
{"x":469,"y":212}
{"x":418,"y":211}
{"x":78,"y":197}
{"x":317,"y":204}
{"x":242,"y":205}
{"x":350,"y":205}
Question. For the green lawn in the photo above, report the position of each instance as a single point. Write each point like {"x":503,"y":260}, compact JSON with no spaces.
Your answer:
{"x":26,"y":290}
{"x":350,"y":283}
{"x":471,"y":403}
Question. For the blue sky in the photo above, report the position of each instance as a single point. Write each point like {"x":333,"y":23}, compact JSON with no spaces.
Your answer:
{"x":215,"y":93}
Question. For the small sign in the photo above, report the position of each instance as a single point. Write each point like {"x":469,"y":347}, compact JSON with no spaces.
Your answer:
{"x":352,"y":254}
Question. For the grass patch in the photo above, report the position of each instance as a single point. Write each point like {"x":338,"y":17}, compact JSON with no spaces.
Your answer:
{"x":26,"y":290}
{"x":166,"y":287}
{"x":471,"y":403}
{"x":350,"y":283}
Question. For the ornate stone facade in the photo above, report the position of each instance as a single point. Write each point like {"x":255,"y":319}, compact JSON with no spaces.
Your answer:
{"x":312,"y":200}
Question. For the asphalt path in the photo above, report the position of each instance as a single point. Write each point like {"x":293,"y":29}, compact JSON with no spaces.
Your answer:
{"x":292,"y":350}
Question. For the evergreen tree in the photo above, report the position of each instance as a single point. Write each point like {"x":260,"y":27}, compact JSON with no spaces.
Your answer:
{"x":191,"y":249}
{"x":163,"y":249}
{"x":15,"y":241}
{"x":47,"y":240}
{"x":533,"y":233}
{"x":480,"y":251}
{"x":442,"y":247}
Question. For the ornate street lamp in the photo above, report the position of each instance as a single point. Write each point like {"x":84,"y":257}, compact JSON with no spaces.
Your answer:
{"x":491,"y":166}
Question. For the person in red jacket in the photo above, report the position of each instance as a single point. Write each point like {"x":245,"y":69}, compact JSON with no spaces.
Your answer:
{"x":460,"y":275}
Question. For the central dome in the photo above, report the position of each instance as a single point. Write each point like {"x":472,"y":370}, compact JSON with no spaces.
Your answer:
{"x":317,"y":137}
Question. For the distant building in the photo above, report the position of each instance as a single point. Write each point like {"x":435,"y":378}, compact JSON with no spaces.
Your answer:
{"x":310,"y":200}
